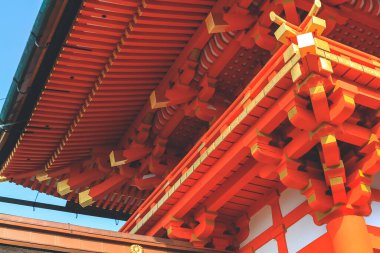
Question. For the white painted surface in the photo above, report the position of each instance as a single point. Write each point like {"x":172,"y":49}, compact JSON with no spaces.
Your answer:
{"x":269,"y":247}
{"x":376,"y":181}
{"x":305,"y":40}
{"x":289,"y":200}
{"x":374,"y":218}
{"x":258,"y":223}
{"x":302,"y":233}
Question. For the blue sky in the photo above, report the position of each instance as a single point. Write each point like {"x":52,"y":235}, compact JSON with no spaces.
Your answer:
{"x":16,"y":24}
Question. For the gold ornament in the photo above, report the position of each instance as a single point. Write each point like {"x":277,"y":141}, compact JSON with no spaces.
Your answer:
{"x":136,"y":249}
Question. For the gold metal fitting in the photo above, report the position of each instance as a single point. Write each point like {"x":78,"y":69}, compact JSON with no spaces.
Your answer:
{"x":288,"y":30}
{"x":315,"y":8}
{"x":136,"y":249}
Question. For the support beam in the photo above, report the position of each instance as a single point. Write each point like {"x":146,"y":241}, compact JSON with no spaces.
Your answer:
{"x":46,"y":175}
{"x":88,"y":197}
{"x":23,"y":175}
{"x":206,"y":225}
{"x":232,"y":185}
{"x":78,"y":180}
{"x":131,"y":154}
{"x":237,"y":19}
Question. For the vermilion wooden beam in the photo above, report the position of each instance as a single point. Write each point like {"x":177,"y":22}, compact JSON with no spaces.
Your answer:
{"x":202,"y":232}
{"x":58,"y":237}
{"x":46,"y":175}
{"x":232,"y":185}
{"x":237,"y":18}
{"x":132,"y":153}
{"x":95,"y":193}
{"x":330,"y":150}
{"x":27,"y":174}
{"x":147,"y":182}
{"x":77,"y":180}
{"x":203,"y":185}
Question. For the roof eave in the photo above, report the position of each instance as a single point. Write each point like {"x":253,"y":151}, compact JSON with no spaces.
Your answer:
{"x":49,"y":31}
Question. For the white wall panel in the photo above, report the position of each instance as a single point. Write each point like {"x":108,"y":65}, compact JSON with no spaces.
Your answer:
{"x":303,"y":232}
{"x":374,"y":218}
{"x":269,"y":247}
{"x":258,"y":223}
{"x":289,"y":200}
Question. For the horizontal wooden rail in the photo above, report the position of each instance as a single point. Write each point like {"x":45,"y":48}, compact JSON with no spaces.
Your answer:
{"x":45,"y":235}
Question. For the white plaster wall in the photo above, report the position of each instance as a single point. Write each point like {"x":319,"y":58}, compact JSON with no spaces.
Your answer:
{"x":269,"y":247}
{"x":374,"y":218}
{"x":258,"y":223}
{"x":303,"y":232}
{"x":289,"y":200}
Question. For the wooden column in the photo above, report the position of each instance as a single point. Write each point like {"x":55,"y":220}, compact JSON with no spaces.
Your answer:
{"x":349,"y":234}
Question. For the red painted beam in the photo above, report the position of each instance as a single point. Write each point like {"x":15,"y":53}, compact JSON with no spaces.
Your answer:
{"x":233,"y":185}
{"x":95,"y":193}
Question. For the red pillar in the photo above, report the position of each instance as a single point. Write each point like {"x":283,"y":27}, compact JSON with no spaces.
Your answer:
{"x":349,"y":234}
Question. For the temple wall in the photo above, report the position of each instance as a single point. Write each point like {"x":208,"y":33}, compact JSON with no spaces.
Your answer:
{"x":374,"y":218}
{"x":286,"y":225}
